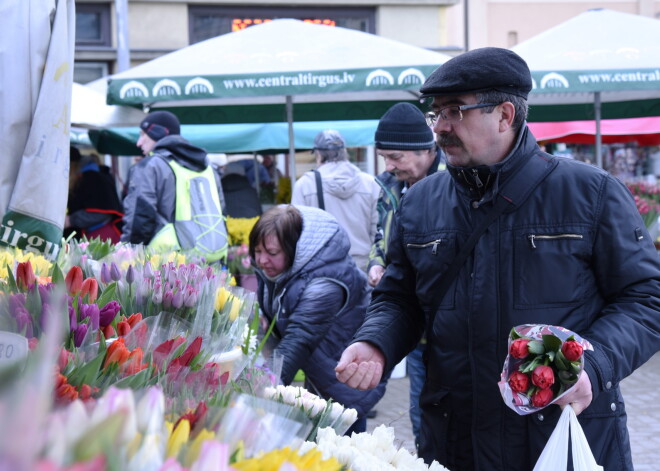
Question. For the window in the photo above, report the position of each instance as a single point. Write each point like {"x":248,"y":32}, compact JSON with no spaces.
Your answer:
{"x":93,"y":24}
{"x":208,"y":22}
{"x":85,"y":72}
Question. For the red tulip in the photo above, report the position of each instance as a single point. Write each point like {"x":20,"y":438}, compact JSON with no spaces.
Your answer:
{"x":90,"y":287}
{"x":123,"y":328}
{"x":572,"y":350}
{"x":519,"y":382}
{"x":193,"y":350}
{"x":117,"y":353}
{"x":134,"y":319}
{"x":543,"y":377}
{"x":542,"y":397}
{"x":25,"y":275}
{"x":74,"y":280}
{"x":519,"y":348}
{"x":134,"y":363}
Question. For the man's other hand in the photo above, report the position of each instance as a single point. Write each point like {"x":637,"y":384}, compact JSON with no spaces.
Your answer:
{"x":375,"y":274}
{"x":361,"y":366}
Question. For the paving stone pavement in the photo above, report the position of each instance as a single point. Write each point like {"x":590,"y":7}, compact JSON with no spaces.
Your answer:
{"x":641,"y":393}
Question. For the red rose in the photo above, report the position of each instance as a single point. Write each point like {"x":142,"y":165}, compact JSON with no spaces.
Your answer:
{"x":572,"y":350}
{"x":519,"y":349}
{"x":542,"y":397}
{"x":543,"y":377}
{"x":519,"y":382}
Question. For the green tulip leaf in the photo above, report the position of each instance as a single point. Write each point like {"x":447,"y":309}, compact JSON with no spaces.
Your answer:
{"x":552,"y":343}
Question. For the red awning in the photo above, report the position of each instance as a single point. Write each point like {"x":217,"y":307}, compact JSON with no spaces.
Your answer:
{"x":644,"y":131}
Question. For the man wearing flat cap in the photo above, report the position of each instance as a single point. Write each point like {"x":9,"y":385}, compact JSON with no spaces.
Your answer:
{"x":509,"y":235}
{"x":175,"y":197}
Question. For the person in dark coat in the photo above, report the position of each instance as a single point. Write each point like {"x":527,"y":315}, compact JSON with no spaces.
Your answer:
{"x":309,"y":283}
{"x":569,"y":249}
{"x":93,"y":207}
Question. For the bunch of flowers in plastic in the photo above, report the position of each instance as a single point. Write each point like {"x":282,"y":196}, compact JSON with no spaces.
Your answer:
{"x":322,"y":413}
{"x":543,"y":363}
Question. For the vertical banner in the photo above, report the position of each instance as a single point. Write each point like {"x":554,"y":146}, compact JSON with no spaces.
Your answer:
{"x":36,"y":75}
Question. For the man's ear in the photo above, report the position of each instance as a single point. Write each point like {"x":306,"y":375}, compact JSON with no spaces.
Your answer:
{"x":507,"y":113}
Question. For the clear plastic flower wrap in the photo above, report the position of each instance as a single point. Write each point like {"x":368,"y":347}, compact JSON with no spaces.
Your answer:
{"x":543,"y":363}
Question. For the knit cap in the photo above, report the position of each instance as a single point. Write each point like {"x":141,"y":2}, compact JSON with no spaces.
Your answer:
{"x":159,"y":124}
{"x":403,"y":127}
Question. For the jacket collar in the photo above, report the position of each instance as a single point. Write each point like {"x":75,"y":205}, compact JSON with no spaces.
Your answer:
{"x":483,"y":181}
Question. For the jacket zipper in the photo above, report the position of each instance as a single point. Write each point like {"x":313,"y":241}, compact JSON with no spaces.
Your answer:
{"x":433,"y":243}
{"x":533,"y":237}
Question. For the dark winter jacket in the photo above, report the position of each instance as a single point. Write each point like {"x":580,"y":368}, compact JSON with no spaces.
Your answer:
{"x":391,"y":190}
{"x":151,"y":198}
{"x":573,"y":253}
{"x":319,"y":303}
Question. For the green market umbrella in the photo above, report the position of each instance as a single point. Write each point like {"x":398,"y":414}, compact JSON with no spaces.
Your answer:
{"x":599,"y":64}
{"x":285,"y":67}
{"x":35,"y":93}
{"x":242,"y":138}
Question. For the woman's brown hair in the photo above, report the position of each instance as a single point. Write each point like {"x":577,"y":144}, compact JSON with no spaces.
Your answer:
{"x":285,"y":223}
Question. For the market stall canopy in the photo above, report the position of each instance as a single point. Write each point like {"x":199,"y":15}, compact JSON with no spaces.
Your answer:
{"x":614,"y":54}
{"x":643,"y":131}
{"x":89,"y":110}
{"x":332,"y":73}
{"x":239,"y":138}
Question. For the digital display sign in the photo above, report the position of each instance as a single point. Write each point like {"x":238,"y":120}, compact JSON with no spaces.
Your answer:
{"x":242,"y":23}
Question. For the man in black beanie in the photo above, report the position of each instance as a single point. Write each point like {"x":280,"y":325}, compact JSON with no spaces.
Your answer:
{"x":509,"y":235}
{"x":174,"y":198}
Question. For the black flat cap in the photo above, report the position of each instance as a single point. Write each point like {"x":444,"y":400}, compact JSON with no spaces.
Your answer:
{"x":479,"y":70}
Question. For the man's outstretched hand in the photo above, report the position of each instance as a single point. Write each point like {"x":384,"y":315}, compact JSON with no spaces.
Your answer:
{"x":361,"y":366}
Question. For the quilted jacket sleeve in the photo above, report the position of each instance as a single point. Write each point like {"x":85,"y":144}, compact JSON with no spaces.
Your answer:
{"x":321,"y":301}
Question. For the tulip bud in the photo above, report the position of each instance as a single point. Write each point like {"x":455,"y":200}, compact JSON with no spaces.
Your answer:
{"x":130,"y":274}
{"x":177,"y":300}
{"x":123,"y":328}
{"x":134,"y":319}
{"x":167,"y":299}
{"x":115,"y":273}
{"x":105,"y":274}
{"x":542,"y":397}
{"x":25,"y":275}
{"x":91,"y":312}
{"x":90,"y":287}
{"x":79,"y":334}
{"x":519,"y":382}
{"x":572,"y":350}
{"x":108,"y":313}
{"x":543,"y":377}
{"x":74,"y":280}
{"x":519,"y":348}
{"x":148,"y":271}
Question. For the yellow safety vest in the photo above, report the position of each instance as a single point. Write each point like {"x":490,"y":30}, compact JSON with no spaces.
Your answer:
{"x":198,"y":222}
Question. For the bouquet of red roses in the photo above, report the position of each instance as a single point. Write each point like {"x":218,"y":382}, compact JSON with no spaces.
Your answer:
{"x":543,"y":363}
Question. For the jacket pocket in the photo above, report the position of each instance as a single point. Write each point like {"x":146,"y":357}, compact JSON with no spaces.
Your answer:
{"x":430,"y":255}
{"x":551,"y":267}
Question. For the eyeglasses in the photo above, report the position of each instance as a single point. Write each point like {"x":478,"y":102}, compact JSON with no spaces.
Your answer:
{"x":453,"y":113}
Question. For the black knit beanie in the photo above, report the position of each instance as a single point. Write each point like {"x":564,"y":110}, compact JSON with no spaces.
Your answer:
{"x":403,"y":127}
{"x":159,"y":124}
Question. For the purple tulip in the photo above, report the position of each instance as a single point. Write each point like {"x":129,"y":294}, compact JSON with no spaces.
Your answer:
{"x":167,"y":299}
{"x":16,"y":301}
{"x":105,"y":274}
{"x":115,"y":273}
{"x":73,"y":318}
{"x":108,"y":313}
{"x":79,"y":334}
{"x":23,"y":321}
{"x":44,"y":292}
{"x":91,"y":312}
{"x":190,"y":298}
{"x":130,"y":275}
{"x":177,"y":299}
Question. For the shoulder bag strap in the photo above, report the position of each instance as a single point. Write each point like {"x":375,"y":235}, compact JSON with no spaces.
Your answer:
{"x":537,"y":167}
{"x":319,"y":189}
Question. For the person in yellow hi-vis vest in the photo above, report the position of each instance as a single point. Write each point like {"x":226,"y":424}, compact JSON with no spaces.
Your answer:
{"x":174,"y":198}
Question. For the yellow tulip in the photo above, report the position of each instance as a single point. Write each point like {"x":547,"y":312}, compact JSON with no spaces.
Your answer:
{"x":221,"y":297}
{"x":235,"y":308}
{"x":179,"y":437}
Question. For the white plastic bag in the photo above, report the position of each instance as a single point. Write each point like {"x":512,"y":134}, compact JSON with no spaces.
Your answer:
{"x":554,"y":456}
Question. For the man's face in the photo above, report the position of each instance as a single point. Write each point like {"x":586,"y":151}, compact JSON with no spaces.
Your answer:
{"x":409,"y":166}
{"x":475,"y":139}
{"x":145,"y":143}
